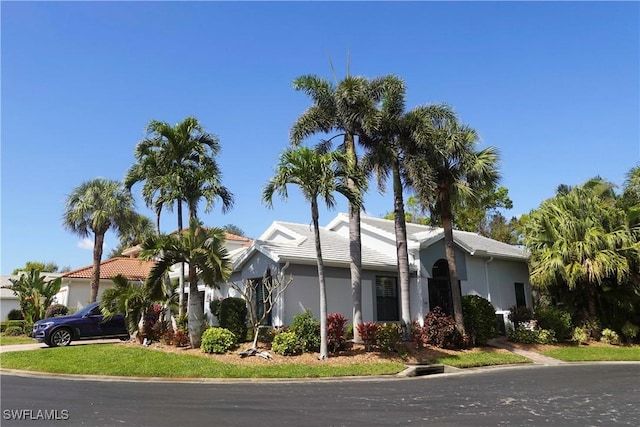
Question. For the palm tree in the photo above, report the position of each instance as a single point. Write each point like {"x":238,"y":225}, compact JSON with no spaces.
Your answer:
{"x":348,"y":109}
{"x":35,"y":294}
{"x":317,"y":175}
{"x":95,"y":207}
{"x":203,"y":250}
{"x":579,"y":241}
{"x":178,"y":164}
{"x":444,"y":168}
{"x":140,"y":228}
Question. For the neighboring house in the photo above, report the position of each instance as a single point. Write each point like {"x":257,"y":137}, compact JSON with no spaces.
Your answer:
{"x":76,"y":284}
{"x":8,"y":299}
{"x":486,"y":267}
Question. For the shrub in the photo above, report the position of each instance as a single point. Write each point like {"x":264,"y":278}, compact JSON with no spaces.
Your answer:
{"x":307,"y":329}
{"x":214,"y":307}
{"x":592,"y":327}
{"x":556,"y":320}
{"x":479,"y":318}
{"x":180,"y":338}
{"x":520,"y":315}
{"x":13,"y":331}
{"x":16,"y":323}
{"x":233,"y":316}
{"x":217,"y":340}
{"x":524,"y":335}
{"x":286,"y":344}
{"x":579,"y":335}
{"x":369,"y":333}
{"x":335,"y":332}
{"x":419,"y":334}
{"x":15,"y":314}
{"x":348,"y":331}
{"x":55,"y":310}
{"x":441,"y":329}
{"x":610,"y":336}
{"x":389,"y":335}
{"x":630,"y":331}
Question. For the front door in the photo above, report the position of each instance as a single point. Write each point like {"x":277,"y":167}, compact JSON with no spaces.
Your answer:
{"x":440,"y":295}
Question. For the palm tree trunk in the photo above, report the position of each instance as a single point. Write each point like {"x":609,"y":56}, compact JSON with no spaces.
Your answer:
{"x":98,"y":241}
{"x":196,"y":314}
{"x":355,"y":244}
{"x":456,"y":297}
{"x":321,"y":281}
{"x":402,"y":251}
{"x":182,"y":304}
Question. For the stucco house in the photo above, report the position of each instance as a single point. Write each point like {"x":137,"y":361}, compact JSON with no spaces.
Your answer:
{"x":486,"y":267}
{"x":8,"y":299}
{"x":76,"y":284}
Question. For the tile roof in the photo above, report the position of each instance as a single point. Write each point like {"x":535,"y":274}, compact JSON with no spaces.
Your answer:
{"x":131,"y":268}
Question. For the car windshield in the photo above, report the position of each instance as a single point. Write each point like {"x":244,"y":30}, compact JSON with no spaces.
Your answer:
{"x":86,"y":310}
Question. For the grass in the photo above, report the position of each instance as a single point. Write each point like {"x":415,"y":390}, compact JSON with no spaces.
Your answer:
{"x":118,"y":360}
{"x":472,"y":360}
{"x":594,"y":354}
{"x":142,"y":362}
{"x":11,"y":340}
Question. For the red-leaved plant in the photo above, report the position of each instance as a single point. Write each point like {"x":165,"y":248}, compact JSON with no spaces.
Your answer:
{"x":335,"y":331}
{"x":369,"y":333}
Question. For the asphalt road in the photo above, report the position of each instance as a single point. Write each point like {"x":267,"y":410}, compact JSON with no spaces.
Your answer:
{"x":600,"y":394}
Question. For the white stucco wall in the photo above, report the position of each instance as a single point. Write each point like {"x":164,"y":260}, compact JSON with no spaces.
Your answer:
{"x":78,"y":291}
{"x":6,"y":305}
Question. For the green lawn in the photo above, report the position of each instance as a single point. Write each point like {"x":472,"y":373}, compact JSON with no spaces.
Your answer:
{"x":138,"y":361}
{"x":11,"y":340}
{"x":594,"y":353}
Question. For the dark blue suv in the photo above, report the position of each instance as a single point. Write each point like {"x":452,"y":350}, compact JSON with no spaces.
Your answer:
{"x":85,"y":324}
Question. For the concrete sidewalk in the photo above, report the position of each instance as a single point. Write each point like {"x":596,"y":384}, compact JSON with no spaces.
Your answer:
{"x":536,"y":358}
{"x":37,"y":345}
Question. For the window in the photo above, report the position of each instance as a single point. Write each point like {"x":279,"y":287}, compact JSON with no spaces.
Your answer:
{"x":521,"y":301}
{"x":262,"y":304}
{"x":387,"y":299}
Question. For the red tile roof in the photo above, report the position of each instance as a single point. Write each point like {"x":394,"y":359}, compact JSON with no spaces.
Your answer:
{"x":247,"y":241}
{"x":131,"y":268}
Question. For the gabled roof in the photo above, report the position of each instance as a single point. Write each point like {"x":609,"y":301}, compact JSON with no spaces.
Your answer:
{"x":131,"y":268}
{"x":133,"y":251}
{"x":426,"y":235}
{"x":286,"y":241}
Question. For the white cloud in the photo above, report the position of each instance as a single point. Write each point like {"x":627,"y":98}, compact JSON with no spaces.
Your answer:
{"x":86,"y":243}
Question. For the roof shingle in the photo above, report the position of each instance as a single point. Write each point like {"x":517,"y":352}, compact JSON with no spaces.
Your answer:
{"x":131,"y":268}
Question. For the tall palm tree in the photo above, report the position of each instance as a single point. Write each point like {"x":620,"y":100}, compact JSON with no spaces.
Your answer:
{"x":178,"y":164}
{"x":579,"y":241}
{"x":346,"y":109}
{"x":203,"y":250}
{"x":95,"y":207}
{"x":446,"y":167}
{"x":317,"y":175}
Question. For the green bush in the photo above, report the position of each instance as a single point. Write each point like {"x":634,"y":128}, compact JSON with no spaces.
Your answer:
{"x":15,"y":314}
{"x":479,"y":318}
{"x":286,"y":344}
{"x":610,"y":336}
{"x":520,"y":315}
{"x":348,"y":331}
{"x":214,"y":307}
{"x":630,"y":331}
{"x":307,"y":329}
{"x":233,"y":316}
{"x":55,"y":310}
{"x":532,"y":336}
{"x":13,"y":331}
{"x":16,"y":323}
{"x":389,"y":335}
{"x":556,"y":320}
{"x":217,"y":340}
{"x":579,"y":335}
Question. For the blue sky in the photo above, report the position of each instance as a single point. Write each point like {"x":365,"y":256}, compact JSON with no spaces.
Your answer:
{"x":553,"y":85}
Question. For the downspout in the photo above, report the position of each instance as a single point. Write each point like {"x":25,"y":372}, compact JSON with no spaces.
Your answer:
{"x":486,"y":272}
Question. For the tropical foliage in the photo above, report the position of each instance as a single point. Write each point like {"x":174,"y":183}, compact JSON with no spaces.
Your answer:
{"x":317,"y":175}
{"x":93,"y":208}
{"x":35,"y":294}
{"x":203,"y":250}
{"x":585,"y":254}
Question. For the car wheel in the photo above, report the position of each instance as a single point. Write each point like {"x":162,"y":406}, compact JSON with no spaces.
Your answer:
{"x":60,"y":337}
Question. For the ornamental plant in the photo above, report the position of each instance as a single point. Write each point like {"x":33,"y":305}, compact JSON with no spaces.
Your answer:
{"x":286,"y":344}
{"x":307,"y":329}
{"x":369,"y":334}
{"x":335,"y":332}
{"x":217,"y":340}
{"x":441,"y":329}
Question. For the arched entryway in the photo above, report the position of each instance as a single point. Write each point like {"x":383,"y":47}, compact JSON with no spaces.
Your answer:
{"x":439,"y":289}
